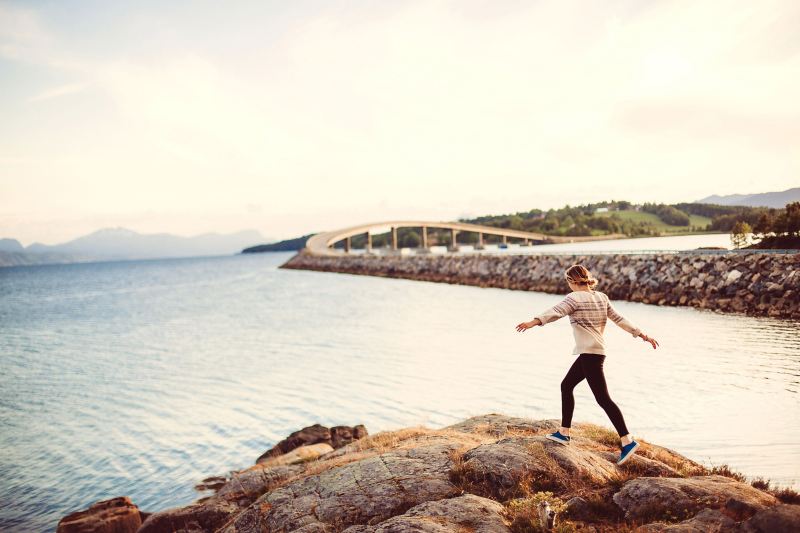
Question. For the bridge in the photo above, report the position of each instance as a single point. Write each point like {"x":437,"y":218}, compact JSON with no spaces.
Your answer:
{"x":323,"y":243}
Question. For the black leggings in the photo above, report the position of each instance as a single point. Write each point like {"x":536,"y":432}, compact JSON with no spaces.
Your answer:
{"x":590,"y":367}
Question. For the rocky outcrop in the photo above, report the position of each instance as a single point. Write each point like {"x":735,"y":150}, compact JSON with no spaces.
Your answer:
{"x":485,"y":474}
{"x":642,"y":497}
{"x":336,"y":437}
{"x":763,"y":284}
{"x":117,"y":515}
{"x":454,"y":515}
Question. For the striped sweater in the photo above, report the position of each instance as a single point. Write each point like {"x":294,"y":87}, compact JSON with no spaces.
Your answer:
{"x":587,"y":313}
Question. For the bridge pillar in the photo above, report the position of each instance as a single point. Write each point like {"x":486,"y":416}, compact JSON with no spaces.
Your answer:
{"x":394,"y":238}
{"x":453,"y":243}
{"x":424,"y":236}
{"x":347,"y":244}
{"x":369,"y":243}
{"x":480,"y":240}
{"x":527,"y":242}
{"x":505,"y":239}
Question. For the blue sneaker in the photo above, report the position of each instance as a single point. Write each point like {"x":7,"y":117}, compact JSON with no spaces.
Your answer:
{"x":627,"y":452}
{"x":558,"y":437}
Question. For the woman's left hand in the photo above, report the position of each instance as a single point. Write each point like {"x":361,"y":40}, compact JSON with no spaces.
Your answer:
{"x":523,"y":326}
{"x":651,"y":340}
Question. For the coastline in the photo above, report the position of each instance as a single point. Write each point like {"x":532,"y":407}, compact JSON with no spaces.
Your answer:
{"x":487,"y":473}
{"x":757,"y":284}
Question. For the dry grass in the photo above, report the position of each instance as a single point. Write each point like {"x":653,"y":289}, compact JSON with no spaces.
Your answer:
{"x":684,"y":466}
{"x":727,"y":471}
{"x":598,"y":434}
{"x":524,"y":515}
{"x":786,"y":495}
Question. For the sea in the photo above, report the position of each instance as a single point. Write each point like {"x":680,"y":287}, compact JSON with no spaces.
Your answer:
{"x":141,"y":378}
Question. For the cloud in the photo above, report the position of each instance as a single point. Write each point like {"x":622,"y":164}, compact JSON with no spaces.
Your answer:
{"x":70,"y":88}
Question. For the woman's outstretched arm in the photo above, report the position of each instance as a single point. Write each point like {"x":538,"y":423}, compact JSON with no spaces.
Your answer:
{"x":625,"y":324}
{"x":566,"y":307}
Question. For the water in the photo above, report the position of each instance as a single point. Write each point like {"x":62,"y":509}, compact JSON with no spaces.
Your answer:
{"x":141,"y":378}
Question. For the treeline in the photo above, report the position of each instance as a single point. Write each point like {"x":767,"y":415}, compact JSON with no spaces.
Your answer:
{"x":586,"y":220}
{"x":774,"y":228}
{"x":579,"y":220}
{"x":288,"y":245}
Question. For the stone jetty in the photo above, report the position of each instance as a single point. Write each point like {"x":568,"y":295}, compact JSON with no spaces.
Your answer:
{"x":487,"y":474}
{"x":760,"y":284}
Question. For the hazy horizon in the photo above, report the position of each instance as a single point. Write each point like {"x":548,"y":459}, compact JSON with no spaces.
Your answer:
{"x":295,"y":118}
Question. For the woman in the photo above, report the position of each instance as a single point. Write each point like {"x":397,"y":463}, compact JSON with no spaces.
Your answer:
{"x":588,"y":310}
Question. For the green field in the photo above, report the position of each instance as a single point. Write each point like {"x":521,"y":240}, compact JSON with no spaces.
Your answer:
{"x":696,"y":221}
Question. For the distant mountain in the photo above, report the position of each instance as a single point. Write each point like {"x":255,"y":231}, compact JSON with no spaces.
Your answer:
{"x":289,"y":245}
{"x":121,"y":243}
{"x":764,"y":199}
{"x":10,"y":245}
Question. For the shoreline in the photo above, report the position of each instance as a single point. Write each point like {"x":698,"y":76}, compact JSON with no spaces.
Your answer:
{"x":486,"y":473}
{"x":753,"y":283}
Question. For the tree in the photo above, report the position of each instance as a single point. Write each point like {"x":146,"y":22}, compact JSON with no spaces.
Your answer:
{"x":793,"y":218}
{"x":740,"y":234}
{"x":764,"y":226}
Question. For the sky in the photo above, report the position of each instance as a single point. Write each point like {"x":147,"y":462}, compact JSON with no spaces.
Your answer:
{"x":294,"y":117}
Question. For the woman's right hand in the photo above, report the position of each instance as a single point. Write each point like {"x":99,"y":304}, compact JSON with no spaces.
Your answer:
{"x":524,"y":326}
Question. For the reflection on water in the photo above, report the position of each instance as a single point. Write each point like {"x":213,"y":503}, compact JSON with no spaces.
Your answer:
{"x":141,"y":378}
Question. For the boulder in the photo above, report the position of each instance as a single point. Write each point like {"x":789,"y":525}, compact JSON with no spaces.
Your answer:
{"x":298,"y":455}
{"x":706,"y":521}
{"x":344,"y":435}
{"x":307,"y":435}
{"x":117,"y":515}
{"x":499,"y":468}
{"x":577,"y":508}
{"x":335,"y":437}
{"x":454,"y":515}
{"x":653,"y":497}
{"x":782,"y":517}
{"x":199,"y":517}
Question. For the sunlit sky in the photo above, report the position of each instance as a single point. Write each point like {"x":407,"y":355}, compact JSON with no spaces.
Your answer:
{"x":292,"y":117}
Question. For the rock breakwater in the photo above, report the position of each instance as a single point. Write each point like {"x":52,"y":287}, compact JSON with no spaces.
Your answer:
{"x":761,"y":284}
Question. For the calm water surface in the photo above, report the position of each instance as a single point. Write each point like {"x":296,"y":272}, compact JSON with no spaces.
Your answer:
{"x":141,"y":378}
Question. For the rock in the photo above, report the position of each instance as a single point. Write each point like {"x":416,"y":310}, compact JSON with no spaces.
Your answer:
{"x":117,"y":515}
{"x":366,"y":491}
{"x":739,"y":510}
{"x":577,"y":508}
{"x":205,"y":516}
{"x":249,"y":484}
{"x":642,"y":465}
{"x":647,"y":498}
{"x":501,"y":425}
{"x":211,"y":483}
{"x":344,"y":435}
{"x":308,"y":435}
{"x":499,"y":468}
{"x":455,"y":515}
{"x":706,"y":521}
{"x":336,"y":437}
{"x":298,"y":455}
{"x":782,"y":517}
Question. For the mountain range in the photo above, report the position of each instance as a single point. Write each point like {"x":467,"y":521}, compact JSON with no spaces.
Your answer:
{"x":121,"y":244}
{"x":764,"y":199}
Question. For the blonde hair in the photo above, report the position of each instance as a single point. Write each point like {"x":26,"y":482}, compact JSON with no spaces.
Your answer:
{"x":580,"y":275}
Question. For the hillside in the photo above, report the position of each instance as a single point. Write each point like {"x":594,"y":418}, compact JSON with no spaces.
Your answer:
{"x":766,"y":199}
